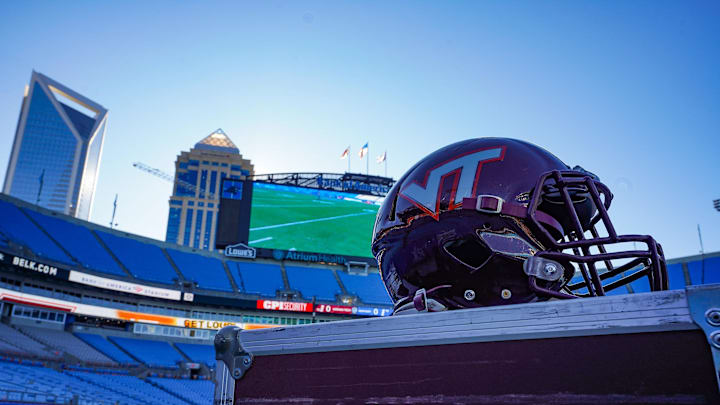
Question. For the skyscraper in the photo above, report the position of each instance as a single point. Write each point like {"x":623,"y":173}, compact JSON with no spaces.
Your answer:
{"x":193,"y":211}
{"x":56,"y":153}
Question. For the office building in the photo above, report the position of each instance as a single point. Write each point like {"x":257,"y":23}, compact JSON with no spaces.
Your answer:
{"x":194,"y":203}
{"x":55,"y":157}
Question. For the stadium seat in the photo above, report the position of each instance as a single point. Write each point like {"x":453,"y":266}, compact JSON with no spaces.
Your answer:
{"x":150,"y":352}
{"x":704,"y":271}
{"x":313,"y":282}
{"x":207,"y":272}
{"x":676,"y":277}
{"x":50,"y":386}
{"x":145,"y":261}
{"x":195,"y":391}
{"x":80,"y":242}
{"x":370,"y":289}
{"x":107,"y":348}
{"x":29,"y":347}
{"x":130,"y":388}
{"x":17,"y":227}
{"x":198,"y":353}
{"x":257,"y":278}
{"x":67,"y":343}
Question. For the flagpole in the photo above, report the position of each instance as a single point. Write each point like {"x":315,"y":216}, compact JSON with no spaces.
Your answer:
{"x":349,"y":159}
{"x":368,"y":159}
{"x":385,"y":161}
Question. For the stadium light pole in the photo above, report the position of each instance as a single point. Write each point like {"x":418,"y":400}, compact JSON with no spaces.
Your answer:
{"x":716,"y":204}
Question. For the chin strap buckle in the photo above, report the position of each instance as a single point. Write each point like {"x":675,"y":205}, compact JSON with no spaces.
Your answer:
{"x":420,"y":300}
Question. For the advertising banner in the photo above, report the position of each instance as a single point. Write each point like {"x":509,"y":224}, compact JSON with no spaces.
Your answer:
{"x":334,"y":309}
{"x":33,"y":266}
{"x":285,"y":306}
{"x":124,"y":286}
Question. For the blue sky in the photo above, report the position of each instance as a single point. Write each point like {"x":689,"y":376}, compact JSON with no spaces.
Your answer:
{"x":629,"y":90}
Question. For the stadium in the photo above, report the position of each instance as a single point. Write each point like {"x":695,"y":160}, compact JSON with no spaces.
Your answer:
{"x":92,"y":315}
{"x":411,"y":204}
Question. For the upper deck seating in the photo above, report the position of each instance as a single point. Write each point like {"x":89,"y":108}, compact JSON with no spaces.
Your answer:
{"x":257,"y":278}
{"x":705,"y":271}
{"x":144,"y":260}
{"x":80,"y":242}
{"x":313,"y":282}
{"x":150,"y":352}
{"x":207,"y":272}
{"x":16,"y":226}
{"x":370,"y":288}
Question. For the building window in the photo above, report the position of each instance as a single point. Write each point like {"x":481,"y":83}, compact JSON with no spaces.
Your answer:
{"x":188,"y":225}
{"x":203,"y":183}
{"x":175,"y":202}
{"x":189,"y":176}
{"x":214,"y":163}
{"x":173,"y":226}
{"x":201,"y":204}
{"x":198,"y":228}
{"x":211,"y":205}
{"x":193,"y":162}
{"x":191,"y":203}
{"x":213,"y":180}
{"x":208,"y":227}
{"x":223,"y":165}
{"x":236,"y":168}
{"x":183,"y":165}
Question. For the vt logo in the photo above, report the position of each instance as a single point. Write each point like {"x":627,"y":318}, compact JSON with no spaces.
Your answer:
{"x":465,"y":170}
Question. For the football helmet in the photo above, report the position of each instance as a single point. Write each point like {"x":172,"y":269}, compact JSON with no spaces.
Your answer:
{"x":494,"y":221}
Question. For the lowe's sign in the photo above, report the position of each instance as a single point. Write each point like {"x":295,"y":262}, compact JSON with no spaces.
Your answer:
{"x":240,"y":250}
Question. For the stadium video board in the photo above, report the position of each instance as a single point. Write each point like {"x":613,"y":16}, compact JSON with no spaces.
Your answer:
{"x":312,"y":220}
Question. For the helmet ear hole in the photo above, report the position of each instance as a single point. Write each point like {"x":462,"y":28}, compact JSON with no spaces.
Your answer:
{"x":469,"y":251}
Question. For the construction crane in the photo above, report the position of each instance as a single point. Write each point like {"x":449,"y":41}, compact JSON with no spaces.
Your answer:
{"x":172,"y":179}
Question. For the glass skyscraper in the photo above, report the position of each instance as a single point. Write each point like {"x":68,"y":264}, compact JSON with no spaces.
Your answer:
{"x":193,"y":210}
{"x":55,"y":157}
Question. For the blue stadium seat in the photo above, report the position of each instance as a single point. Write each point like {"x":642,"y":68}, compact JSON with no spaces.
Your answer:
{"x":207,"y":272}
{"x":313,"y":282}
{"x":676,"y":277}
{"x":257,"y":278}
{"x":16,"y":226}
{"x":711,"y":273}
{"x":49,"y":386}
{"x":198,"y":353}
{"x":130,"y":389}
{"x":145,"y":261}
{"x":370,"y":288}
{"x":150,"y":352}
{"x":110,"y":350}
{"x":617,"y":291}
{"x":195,"y":391}
{"x":80,"y":242}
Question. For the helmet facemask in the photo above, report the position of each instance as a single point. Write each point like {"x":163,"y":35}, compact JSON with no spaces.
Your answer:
{"x":589,"y":243}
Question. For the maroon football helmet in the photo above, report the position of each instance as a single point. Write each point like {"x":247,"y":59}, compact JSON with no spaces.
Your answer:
{"x":495,"y":221}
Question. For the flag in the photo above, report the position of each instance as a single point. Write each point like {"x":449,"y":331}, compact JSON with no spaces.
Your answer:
{"x":363,"y":150}
{"x":382,"y":157}
{"x":345,"y":153}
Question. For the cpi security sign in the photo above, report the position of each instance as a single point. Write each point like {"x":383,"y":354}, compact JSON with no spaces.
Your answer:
{"x":240,"y":250}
